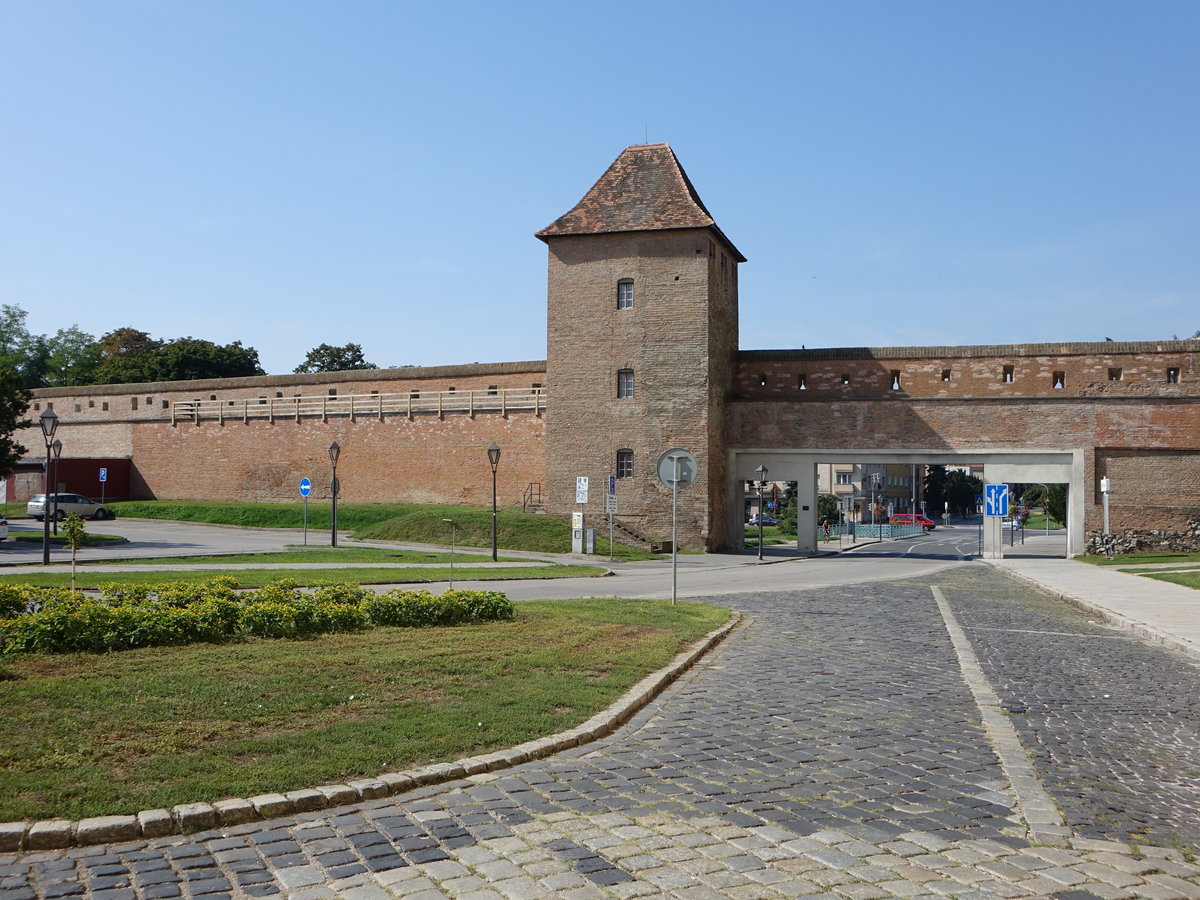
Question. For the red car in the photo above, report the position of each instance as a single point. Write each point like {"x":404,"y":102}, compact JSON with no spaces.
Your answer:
{"x":913,"y":519}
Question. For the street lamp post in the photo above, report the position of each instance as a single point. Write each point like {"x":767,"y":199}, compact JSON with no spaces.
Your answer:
{"x":493,"y":453}
{"x":57,"y":448}
{"x":334,"y":488}
{"x":49,"y":422}
{"x":761,"y":471}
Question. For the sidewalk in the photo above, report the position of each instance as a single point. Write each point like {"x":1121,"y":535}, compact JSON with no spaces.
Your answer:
{"x":1166,"y":613}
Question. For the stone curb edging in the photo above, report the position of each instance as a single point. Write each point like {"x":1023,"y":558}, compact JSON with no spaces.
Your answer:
{"x":1149,"y":632}
{"x":57,"y":834}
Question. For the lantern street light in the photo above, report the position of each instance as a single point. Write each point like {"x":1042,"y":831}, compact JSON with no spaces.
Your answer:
{"x":493,"y":453}
{"x":761,"y":471}
{"x":334,"y":488}
{"x":56,"y":447}
{"x":49,"y":422}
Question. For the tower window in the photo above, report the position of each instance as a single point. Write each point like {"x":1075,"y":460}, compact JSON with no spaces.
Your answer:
{"x":895,"y":379}
{"x":624,"y":463}
{"x":1008,"y":375}
{"x":133,"y":402}
{"x":625,"y":383}
{"x":1114,"y":374}
{"x":624,"y":294}
{"x":945,"y":374}
{"x":845,"y":379}
{"x":1172,"y":376}
{"x":804,"y":382}
{"x":762,"y":380}
{"x":1060,"y":380}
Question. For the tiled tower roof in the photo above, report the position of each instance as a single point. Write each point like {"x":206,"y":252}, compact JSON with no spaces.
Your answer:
{"x":645,"y":189}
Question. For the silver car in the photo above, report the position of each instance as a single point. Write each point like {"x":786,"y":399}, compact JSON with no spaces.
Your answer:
{"x":62,"y":505}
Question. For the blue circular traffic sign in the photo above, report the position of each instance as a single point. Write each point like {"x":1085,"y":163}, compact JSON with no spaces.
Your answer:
{"x":305,"y":487}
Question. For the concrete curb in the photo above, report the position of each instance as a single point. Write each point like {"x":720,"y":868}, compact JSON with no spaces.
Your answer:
{"x":1108,"y":616}
{"x":57,"y":834}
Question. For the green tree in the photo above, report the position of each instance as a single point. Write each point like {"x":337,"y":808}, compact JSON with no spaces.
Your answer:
{"x":936,"y":482}
{"x":73,"y":358}
{"x":75,"y":535}
{"x":326,"y":358}
{"x":828,"y":509}
{"x":961,"y":491}
{"x":129,"y":356}
{"x":14,"y":403}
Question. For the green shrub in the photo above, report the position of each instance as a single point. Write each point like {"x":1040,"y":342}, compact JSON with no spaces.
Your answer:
{"x":122,"y":618}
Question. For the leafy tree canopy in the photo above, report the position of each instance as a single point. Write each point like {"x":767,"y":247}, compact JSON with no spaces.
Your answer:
{"x":14,"y":402}
{"x":72,"y":357}
{"x":326,"y":358}
{"x":182,"y":359}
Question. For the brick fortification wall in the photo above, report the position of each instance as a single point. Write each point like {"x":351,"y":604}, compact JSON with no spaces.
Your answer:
{"x":229,"y":454}
{"x":1133,"y":407}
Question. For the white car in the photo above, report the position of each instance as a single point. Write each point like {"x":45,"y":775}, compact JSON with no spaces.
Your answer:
{"x":62,"y":505}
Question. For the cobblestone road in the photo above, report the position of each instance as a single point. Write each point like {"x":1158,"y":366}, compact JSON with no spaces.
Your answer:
{"x":832,"y":747}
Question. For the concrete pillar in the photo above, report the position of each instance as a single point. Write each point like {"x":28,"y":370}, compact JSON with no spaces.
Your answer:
{"x":806,"y":507}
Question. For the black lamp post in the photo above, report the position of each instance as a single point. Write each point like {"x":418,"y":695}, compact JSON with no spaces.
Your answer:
{"x":57,"y":448}
{"x":494,"y":459}
{"x":761,"y":471}
{"x":334,"y":488}
{"x":49,"y":422}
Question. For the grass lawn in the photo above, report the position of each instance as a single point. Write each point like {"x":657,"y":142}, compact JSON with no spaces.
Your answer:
{"x":310,"y":555}
{"x":1187,"y":579}
{"x":87,"y":735}
{"x":515,"y":530}
{"x":93,"y":576}
{"x":771,"y":536}
{"x":1140,"y":559}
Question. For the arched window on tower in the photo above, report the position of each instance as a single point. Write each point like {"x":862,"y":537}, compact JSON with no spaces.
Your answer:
{"x":625,"y":383}
{"x":624,"y":463}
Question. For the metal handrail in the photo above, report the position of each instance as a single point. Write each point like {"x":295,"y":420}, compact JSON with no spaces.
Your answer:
{"x":407,"y":403}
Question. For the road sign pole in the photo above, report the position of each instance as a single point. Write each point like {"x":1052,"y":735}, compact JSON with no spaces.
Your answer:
{"x":674,"y":531}
{"x":306,"y":520}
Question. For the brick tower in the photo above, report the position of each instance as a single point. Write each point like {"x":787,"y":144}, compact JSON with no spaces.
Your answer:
{"x":641,"y":339}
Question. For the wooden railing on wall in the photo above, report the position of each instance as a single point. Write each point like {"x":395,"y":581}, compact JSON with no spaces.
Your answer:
{"x":408,"y":404}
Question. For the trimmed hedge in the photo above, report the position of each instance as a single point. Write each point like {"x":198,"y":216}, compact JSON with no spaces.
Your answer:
{"x":57,"y":620}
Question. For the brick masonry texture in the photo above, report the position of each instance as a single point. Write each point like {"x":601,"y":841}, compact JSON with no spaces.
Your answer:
{"x":1133,"y":409}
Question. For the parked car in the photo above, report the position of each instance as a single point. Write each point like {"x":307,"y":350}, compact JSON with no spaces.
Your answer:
{"x":3,"y":529}
{"x":67,"y":504}
{"x":913,"y":519}
{"x":767,"y":519}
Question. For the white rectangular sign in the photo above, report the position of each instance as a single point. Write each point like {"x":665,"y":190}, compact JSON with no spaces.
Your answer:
{"x":610,"y":504}
{"x":581,"y":489}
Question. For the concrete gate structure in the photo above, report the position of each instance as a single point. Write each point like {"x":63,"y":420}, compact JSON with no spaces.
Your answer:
{"x":642,"y":356}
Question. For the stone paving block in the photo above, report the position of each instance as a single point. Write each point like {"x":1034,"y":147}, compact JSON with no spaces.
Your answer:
{"x":370,"y":788}
{"x":271,"y":806}
{"x":51,"y":834}
{"x":235,"y":811}
{"x":862,"y":892}
{"x":12,"y":835}
{"x":299,"y":876}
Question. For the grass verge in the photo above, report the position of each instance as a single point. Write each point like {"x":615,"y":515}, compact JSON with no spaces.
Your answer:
{"x":1187,"y":579}
{"x":309,"y":555}
{"x":94,"y":576}
{"x":515,"y":530}
{"x":1140,"y":559}
{"x":89,"y":735}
